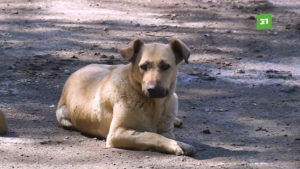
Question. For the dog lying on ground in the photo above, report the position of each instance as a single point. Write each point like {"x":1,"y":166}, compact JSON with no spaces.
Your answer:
{"x":133,"y":106}
{"x":3,"y":126}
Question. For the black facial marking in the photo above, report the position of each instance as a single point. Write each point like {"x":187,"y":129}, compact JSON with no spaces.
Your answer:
{"x":144,"y":67}
{"x":164,"y":66}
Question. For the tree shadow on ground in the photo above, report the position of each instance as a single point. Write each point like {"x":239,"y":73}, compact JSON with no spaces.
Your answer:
{"x":41,"y":63}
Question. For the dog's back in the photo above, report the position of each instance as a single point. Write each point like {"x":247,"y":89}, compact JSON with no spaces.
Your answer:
{"x":84,"y":79}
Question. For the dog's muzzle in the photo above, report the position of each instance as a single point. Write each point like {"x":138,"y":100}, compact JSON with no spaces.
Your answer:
{"x":156,"y":92}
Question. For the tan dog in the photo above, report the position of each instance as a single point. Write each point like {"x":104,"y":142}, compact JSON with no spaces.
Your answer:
{"x":133,"y":106}
{"x":3,"y":126}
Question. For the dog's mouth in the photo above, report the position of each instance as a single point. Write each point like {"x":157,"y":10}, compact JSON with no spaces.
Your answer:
{"x":156,"y":92}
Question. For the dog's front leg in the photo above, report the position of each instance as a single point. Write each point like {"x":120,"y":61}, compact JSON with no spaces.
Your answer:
{"x":130,"y":139}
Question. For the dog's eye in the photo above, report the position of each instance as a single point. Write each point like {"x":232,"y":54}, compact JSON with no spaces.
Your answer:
{"x":144,"y":67}
{"x":164,"y":67}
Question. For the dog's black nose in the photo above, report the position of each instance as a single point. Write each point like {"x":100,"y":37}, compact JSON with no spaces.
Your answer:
{"x":156,"y":92}
{"x":153,"y":90}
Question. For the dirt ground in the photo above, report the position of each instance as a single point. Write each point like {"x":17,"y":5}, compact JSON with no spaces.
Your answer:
{"x":239,"y":96}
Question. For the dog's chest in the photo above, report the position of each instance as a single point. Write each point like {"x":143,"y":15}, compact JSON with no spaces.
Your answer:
{"x":149,"y":113}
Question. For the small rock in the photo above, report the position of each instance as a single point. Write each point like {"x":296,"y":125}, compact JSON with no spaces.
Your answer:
{"x":206,"y":131}
{"x":50,"y":142}
{"x":105,"y":29}
{"x":231,"y":31}
{"x":12,"y":67}
{"x":195,"y":73}
{"x":93,"y":47}
{"x":238,"y":144}
{"x":114,"y":49}
{"x":240,"y":71}
{"x":288,"y":26}
{"x":35,"y":67}
{"x":55,"y":68}
{"x":74,"y":57}
{"x":251,"y":17}
{"x":221,"y":110}
{"x":173,"y":16}
{"x":227,"y":64}
{"x":259,"y":56}
{"x":261,"y":129}
{"x":137,"y":25}
{"x":256,"y":50}
{"x":208,"y":78}
{"x":289,"y":89}
{"x":67,"y":71}
{"x":103,"y":56}
{"x":111,"y":57}
{"x":13,"y":91}
{"x":97,"y":53}
{"x":184,"y":78}
{"x":278,"y":74}
{"x":207,"y":35}
{"x":298,"y":26}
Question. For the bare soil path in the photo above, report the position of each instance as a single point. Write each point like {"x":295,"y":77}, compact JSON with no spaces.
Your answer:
{"x":239,"y":96}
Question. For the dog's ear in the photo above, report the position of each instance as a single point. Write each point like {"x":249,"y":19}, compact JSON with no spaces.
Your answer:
{"x":180,"y":50}
{"x":132,"y":51}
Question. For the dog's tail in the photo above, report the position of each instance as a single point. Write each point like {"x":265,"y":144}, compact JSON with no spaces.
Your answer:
{"x":63,"y":117}
{"x":3,"y":125}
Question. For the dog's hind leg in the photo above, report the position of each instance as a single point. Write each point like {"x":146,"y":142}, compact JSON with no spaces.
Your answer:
{"x":177,"y":122}
{"x":63,"y":117}
{"x":174,"y":102}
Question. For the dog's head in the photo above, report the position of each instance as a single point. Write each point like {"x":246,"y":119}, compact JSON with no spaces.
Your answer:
{"x":155,"y":65}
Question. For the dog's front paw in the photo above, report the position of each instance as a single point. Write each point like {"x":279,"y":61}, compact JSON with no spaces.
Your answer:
{"x":187,"y":149}
{"x":177,"y":149}
{"x":181,"y":148}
